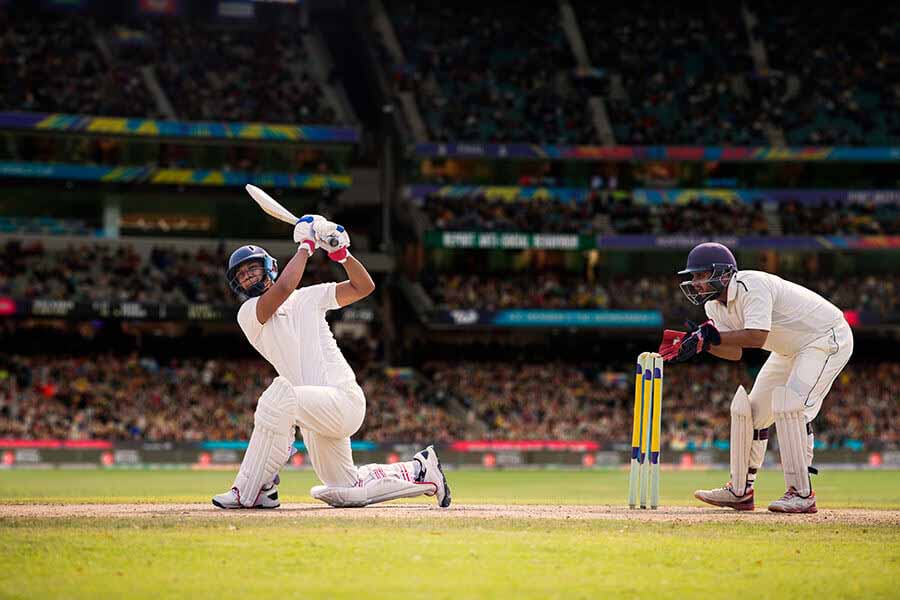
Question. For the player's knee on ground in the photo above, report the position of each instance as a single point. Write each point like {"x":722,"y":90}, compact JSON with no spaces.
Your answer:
{"x":377,"y":483}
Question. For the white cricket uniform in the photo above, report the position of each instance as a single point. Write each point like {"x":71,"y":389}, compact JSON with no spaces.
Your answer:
{"x":809,"y":339}
{"x":298,"y":342}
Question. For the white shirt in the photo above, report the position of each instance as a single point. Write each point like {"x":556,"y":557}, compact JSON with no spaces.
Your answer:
{"x":793,"y":315}
{"x":297,"y":340}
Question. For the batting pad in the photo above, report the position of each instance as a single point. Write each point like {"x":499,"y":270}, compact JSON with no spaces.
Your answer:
{"x":741,"y":440}
{"x":271,"y":441}
{"x":790,"y":423}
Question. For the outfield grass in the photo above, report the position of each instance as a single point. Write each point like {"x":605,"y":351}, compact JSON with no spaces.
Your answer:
{"x":248,"y":554}
{"x":835,"y":489}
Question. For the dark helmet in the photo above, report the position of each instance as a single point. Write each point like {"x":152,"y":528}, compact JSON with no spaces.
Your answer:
{"x":715,"y":259}
{"x":246,"y":254}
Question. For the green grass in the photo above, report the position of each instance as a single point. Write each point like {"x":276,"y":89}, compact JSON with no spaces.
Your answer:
{"x":834,"y":489}
{"x":250,"y":555}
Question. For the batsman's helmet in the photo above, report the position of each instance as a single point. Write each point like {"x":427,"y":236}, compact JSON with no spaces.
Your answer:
{"x":246,"y":254}
{"x":712,"y":258}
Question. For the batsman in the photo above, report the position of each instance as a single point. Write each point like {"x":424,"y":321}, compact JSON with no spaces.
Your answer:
{"x":315,"y":390}
{"x":810,"y":343}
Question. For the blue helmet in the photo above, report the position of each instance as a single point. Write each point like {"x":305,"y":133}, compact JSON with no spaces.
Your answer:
{"x":246,"y":254}
{"x":712,"y":258}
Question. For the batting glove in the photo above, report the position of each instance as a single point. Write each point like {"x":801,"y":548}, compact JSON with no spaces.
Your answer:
{"x":334,"y":239}
{"x":304,"y":234}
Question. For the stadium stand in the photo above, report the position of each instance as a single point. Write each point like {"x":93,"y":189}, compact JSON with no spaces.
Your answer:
{"x":495,"y":72}
{"x":141,"y":398}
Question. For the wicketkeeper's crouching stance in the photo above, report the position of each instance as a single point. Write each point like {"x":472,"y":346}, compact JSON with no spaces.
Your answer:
{"x":810,"y":343}
{"x":316,"y":390}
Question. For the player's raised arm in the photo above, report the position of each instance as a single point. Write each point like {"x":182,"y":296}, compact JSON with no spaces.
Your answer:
{"x":290,"y":278}
{"x":335,"y":240}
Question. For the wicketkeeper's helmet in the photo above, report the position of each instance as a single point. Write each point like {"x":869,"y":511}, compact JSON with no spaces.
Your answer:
{"x":713,"y":258}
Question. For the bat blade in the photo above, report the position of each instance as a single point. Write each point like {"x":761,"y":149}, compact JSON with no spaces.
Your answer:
{"x":270,"y":206}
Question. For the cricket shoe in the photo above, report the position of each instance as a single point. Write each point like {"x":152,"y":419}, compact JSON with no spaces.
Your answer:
{"x":725,"y":497}
{"x":433,"y":473}
{"x":267,"y":498}
{"x":792,"y":502}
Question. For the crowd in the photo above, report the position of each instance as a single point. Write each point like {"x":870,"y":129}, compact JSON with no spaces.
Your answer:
{"x":678,"y":68}
{"x":53,"y":64}
{"x":141,"y":398}
{"x":480,"y":213}
{"x":74,"y":64}
{"x":567,"y":290}
{"x":498,"y":72}
{"x":832,"y":218}
{"x":549,"y":290}
{"x":491,"y":72}
{"x":119,"y":273}
{"x":91,"y":272}
{"x":670,"y":75}
{"x":598,"y":214}
{"x":601,"y":214}
{"x":233,"y":74}
{"x":843,"y":63}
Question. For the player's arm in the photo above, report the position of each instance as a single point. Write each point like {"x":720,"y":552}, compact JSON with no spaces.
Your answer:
{"x":744,"y":338}
{"x":357,"y":287}
{"x":286,"y":283}
{"x":727,"y":352}
{"x":335,"y":240}
{"x":290,"y":278}
{"x":733,"y":343}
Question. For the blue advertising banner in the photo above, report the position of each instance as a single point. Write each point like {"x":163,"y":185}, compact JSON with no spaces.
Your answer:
{"x":159,"y":176}
{"x":578,"y":318}
{"x":178,"y":129}
{"x":539,"y":317}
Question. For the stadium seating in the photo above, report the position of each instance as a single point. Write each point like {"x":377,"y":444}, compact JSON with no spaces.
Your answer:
{"x":486,"y":291}
{"x":55,"y":64}
{"x":679,"y":67}
{"x":490,"y":72}
{"x":601,"y":214}
{"x":141,"y":398}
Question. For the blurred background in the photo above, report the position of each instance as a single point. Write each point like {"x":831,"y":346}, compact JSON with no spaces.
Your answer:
{"x":522,"y":181}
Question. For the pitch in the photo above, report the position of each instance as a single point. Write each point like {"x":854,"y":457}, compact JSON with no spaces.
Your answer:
{"x":530,"y":534}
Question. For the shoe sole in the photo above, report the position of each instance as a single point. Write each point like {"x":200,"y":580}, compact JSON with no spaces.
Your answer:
{"x":809,"y":511}
{"x":741,"y":506}
{"x":259,"y":506}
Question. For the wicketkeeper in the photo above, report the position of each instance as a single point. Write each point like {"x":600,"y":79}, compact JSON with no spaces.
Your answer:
{"x":316,"y":390}
{"x":810,"y":343}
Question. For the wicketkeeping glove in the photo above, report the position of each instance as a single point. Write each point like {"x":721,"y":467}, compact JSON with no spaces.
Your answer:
{"x":700,"y":339}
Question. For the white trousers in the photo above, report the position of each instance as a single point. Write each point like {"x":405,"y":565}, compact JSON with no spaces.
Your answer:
{"x":809,"y":373}
{"x":327,"y":417}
